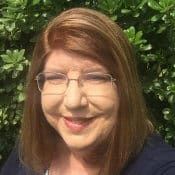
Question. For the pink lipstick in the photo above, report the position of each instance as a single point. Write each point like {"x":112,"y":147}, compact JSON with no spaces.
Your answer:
{"x":77,"y":124}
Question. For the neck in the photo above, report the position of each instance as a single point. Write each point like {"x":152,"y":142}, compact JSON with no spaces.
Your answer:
{"x":71,"y":162}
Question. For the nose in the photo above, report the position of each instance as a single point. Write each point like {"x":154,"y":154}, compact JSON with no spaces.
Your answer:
{"x":74,"y":97}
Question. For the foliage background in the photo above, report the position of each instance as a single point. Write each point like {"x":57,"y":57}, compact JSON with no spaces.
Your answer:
{"x":149,"y":25}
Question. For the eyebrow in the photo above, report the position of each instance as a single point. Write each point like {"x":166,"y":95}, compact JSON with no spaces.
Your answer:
{"x":95,"y":69}
{"x":86,"y":70}
{"x":50,"y":69}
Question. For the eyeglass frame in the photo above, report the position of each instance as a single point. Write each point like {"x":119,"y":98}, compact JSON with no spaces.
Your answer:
{"x":69,"y":79}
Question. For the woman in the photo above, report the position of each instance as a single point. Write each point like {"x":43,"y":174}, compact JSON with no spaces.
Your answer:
{"x":84,"y":111}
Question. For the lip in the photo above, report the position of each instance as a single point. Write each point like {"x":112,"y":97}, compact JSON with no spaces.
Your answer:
{"x":77,"y":124}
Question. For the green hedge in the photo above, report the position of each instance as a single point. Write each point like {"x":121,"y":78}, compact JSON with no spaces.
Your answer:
{"x":149,"y":25}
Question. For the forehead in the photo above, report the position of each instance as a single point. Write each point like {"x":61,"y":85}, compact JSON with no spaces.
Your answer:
{"x":62,"y":60}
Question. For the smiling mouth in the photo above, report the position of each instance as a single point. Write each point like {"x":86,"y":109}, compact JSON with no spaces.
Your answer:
{"x":77,"y":124}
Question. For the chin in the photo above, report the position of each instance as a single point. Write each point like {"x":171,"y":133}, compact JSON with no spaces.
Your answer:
{"x":85,"y":146}
{"x":79,"y":147}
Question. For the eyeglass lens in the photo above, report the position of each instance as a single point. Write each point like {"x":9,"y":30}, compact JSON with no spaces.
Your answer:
{"x":91,"y":83}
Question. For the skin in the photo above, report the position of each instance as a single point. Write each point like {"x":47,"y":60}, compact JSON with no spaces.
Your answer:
{"x":75,"y":104}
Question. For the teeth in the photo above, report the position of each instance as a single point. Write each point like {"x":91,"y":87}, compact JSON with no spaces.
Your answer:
{"x":79,"y":121}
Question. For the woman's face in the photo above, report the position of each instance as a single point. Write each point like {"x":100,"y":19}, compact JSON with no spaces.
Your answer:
{"x":82,"y":116}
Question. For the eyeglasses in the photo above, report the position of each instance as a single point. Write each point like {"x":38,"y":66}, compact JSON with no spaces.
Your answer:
{"x":95,"y":83}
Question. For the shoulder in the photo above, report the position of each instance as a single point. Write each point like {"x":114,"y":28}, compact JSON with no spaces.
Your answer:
{"x":156,"y":158}
{"x":13,"y":166}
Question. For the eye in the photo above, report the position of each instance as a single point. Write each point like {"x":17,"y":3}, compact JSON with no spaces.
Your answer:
{"x":96,"y":78}
{"x":55,"y":78}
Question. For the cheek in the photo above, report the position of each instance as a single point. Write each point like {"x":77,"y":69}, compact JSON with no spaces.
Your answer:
{"x":108,"y":104}
{"x":50,"y":103}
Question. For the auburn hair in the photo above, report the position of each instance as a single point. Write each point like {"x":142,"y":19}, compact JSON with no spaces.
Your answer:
{"x":89,"y":33}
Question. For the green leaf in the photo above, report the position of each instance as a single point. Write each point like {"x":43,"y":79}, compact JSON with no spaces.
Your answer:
{"x":166,"y":3}
{"x":19,"y":67}
{"x":7,"y":66}
{"x":21,"y":52}
{"x":146,"y":47}
{"x":15,"y":74}
{"x":15,"y":3}
{"x":34,"y":2}
{"x":21,"y":97}
{"x":114,"y":17}
{"x":125,"y":11}
{"x":154,"y":5}
{"x":110,"y":6}
{"x":162,"y":29}
{"x":136,"y":14}
{"x":6,"y":59}
{"x":167,"y":112}
{"x":142,"y":3}
{"x":155,"y":18}
{"x":138,"y":35}
{"x":171,"y":99}
{"x":130,"y":32}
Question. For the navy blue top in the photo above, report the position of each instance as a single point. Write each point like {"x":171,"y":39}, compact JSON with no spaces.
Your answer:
{"x":156,"y":158}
